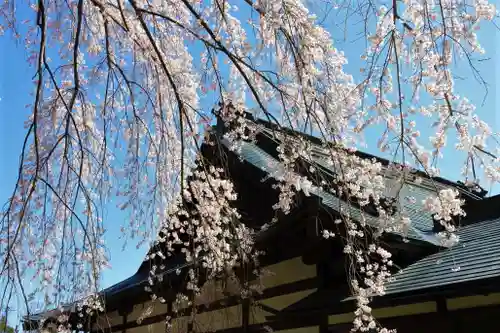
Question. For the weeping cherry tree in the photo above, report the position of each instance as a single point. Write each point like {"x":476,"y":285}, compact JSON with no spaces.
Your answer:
{"x":121,"y":102}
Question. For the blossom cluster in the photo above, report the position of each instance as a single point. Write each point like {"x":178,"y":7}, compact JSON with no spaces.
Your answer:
{"x":118,"y":111}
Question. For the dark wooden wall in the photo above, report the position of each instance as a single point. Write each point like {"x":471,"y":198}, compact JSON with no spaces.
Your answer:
{"x":474,"y":320}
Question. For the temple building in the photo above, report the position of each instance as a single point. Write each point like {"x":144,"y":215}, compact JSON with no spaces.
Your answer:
{"x":437,"y":289}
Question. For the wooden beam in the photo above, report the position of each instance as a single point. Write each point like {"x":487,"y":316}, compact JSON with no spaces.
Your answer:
{"x":281,"y":290}
{"x":472,"y":301}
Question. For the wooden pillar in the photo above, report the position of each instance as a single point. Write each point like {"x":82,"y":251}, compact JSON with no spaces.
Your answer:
{"x":322,"y":274}
{"x":245,"y":308}
{"x":124,"y":312}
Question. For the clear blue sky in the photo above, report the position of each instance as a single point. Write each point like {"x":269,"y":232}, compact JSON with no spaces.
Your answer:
{"x":15,"y":89}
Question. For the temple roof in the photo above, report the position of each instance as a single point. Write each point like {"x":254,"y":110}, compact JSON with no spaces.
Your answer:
{"x":478,"y":254}
{"x":475,"y":257}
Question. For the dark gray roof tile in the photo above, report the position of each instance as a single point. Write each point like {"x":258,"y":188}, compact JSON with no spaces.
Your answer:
{"x":475,"y":257}
{"x":422,"y":221}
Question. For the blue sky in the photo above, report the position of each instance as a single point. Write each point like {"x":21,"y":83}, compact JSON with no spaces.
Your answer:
{"x":15,"y":89}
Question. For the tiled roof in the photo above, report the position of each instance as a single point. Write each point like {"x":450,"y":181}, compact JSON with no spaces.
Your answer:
{"x":475,"y":257}
{"x":422,"y":221}
{"x":480,"y":230}
{"x":420,"y":230}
